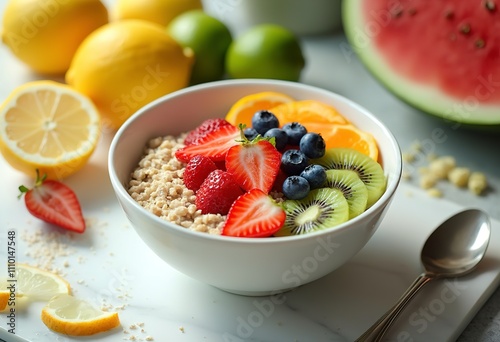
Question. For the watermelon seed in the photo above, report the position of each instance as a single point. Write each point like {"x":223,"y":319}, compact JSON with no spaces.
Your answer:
{"x":490,"y":5}
{"x":480,"y":43}
{"x":449,"y":14}
{"x":465,"y":29}
{"x":397,"y":12}
{"x":412,"y":11}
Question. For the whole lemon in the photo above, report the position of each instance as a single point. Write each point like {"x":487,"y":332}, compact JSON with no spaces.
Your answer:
{"x":45,"y":34}
{"x":265,"y":51}
{"x":126,"y":64}
{"x":157,"y":11}
{"x":209,"y":39}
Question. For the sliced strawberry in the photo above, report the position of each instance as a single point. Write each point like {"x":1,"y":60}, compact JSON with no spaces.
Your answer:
{"x":214,"y":145}
{"x":54,"y":202}
{"x":206,"y":127}
{"x":254,"y":214}
{"x":197,"y":169}
{"x":254,"y":164}
{"x":217,"y":193}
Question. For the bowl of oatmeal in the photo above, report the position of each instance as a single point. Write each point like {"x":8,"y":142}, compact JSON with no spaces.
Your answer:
{"x":148,"y":181}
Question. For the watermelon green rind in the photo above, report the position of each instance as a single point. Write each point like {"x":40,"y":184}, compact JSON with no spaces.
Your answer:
{"x":425,"y":97}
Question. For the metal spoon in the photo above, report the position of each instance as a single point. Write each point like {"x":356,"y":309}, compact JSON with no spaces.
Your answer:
{"x":452,"y":250}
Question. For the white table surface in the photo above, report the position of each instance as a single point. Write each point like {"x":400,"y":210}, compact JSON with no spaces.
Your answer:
{"x":194,"y":311}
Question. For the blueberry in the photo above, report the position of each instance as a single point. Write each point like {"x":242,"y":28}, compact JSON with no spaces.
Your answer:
{"x":315,"y":175}
{"x":280,"y":138}
{"x":296,"y":187}
{"x":293,"y":162}
{"x":313,"y":145}
{"x":250,"y":133}
{"x":263,"y":121}
{"x":295,"y":132}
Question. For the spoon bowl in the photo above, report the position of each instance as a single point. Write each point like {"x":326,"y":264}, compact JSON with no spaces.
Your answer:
{"x":457,"y":245}
{"x":454,"y":249}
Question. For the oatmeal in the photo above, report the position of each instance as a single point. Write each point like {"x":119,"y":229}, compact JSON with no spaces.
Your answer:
{"x":157,"y":185}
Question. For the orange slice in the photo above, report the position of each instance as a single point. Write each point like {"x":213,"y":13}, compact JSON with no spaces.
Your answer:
{"x":351,"y":137}
{"x":48,"y":126}
{"x":70,"y":316}
{"x":243,"y":110}
{"x":307,"y":112}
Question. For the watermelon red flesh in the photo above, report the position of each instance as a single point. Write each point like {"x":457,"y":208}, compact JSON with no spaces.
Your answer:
{"x":440,"y":56}
{"x":452,"y":44}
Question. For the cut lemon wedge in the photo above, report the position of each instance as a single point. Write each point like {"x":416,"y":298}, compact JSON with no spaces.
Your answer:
{"x":33,"y":283}
{"x":4,"y":299}
{"x":68,"y":315}
{"x":48,"y":126}
{"x":243,"y":110}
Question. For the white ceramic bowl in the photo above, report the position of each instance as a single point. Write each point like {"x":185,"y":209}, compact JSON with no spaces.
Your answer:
{"x":250,"y":266}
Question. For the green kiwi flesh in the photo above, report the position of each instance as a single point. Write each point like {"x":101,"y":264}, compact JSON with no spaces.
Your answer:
{"x":353,"y":189}
{"x":321,"y":209}
{"x":369,"y":171}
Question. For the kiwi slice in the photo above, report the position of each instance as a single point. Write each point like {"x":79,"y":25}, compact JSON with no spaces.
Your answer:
{"x":322,"y":209}
{"x":369,"y":171}
{"x":354,"y":190}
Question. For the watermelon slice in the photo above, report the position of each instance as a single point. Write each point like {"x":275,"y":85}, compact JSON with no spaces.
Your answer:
{"x":440,"y":56}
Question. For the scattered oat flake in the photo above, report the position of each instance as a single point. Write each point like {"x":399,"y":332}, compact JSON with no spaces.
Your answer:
{"x":438,"y":169}
{"x":182,"y":329}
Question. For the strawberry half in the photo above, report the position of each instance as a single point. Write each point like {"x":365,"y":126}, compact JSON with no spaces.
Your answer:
{"x":194,"y":137}
{"x":214,"y":145}
{"x":54,"y":202}
{"x":254,"y":164}
{"x":254,"y":214}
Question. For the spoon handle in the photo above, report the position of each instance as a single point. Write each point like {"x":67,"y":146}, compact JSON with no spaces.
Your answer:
{"x":379,"y":328}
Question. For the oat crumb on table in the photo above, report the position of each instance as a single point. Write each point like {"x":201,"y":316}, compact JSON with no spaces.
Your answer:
{"x":48,"y":248}
{"x":440,"y":168}
{"x":157,"y":185}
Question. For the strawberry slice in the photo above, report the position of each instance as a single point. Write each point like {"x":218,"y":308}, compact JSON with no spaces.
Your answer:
{"x":254,"y":164}
{"x":254,"y":214}
{"x":214,"y":145}
{"x":207,"y":126}
{"x":54,"y":202}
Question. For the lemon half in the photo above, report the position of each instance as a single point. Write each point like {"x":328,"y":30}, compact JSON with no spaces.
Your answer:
{"x":48,"y":126}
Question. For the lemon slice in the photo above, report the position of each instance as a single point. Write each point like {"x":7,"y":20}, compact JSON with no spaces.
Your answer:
{"x":67,"y":315}
{"x":48,"y":126}
{"x":33,"y":283}
{"x":4,"y":299}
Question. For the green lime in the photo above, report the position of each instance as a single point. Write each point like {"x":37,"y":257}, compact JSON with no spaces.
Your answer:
{"x":208,"y":38}
{"x":265,"y":51}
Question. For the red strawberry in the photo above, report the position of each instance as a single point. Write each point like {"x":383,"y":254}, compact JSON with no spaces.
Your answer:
{"x":202,"y":130}
{"x":254,"y":214}
{"x":217,"y":193}
{"x":197,"y":169}
{"x":214,"y":145}
{"x":54,"y":202}
{"x":254,"y":164}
